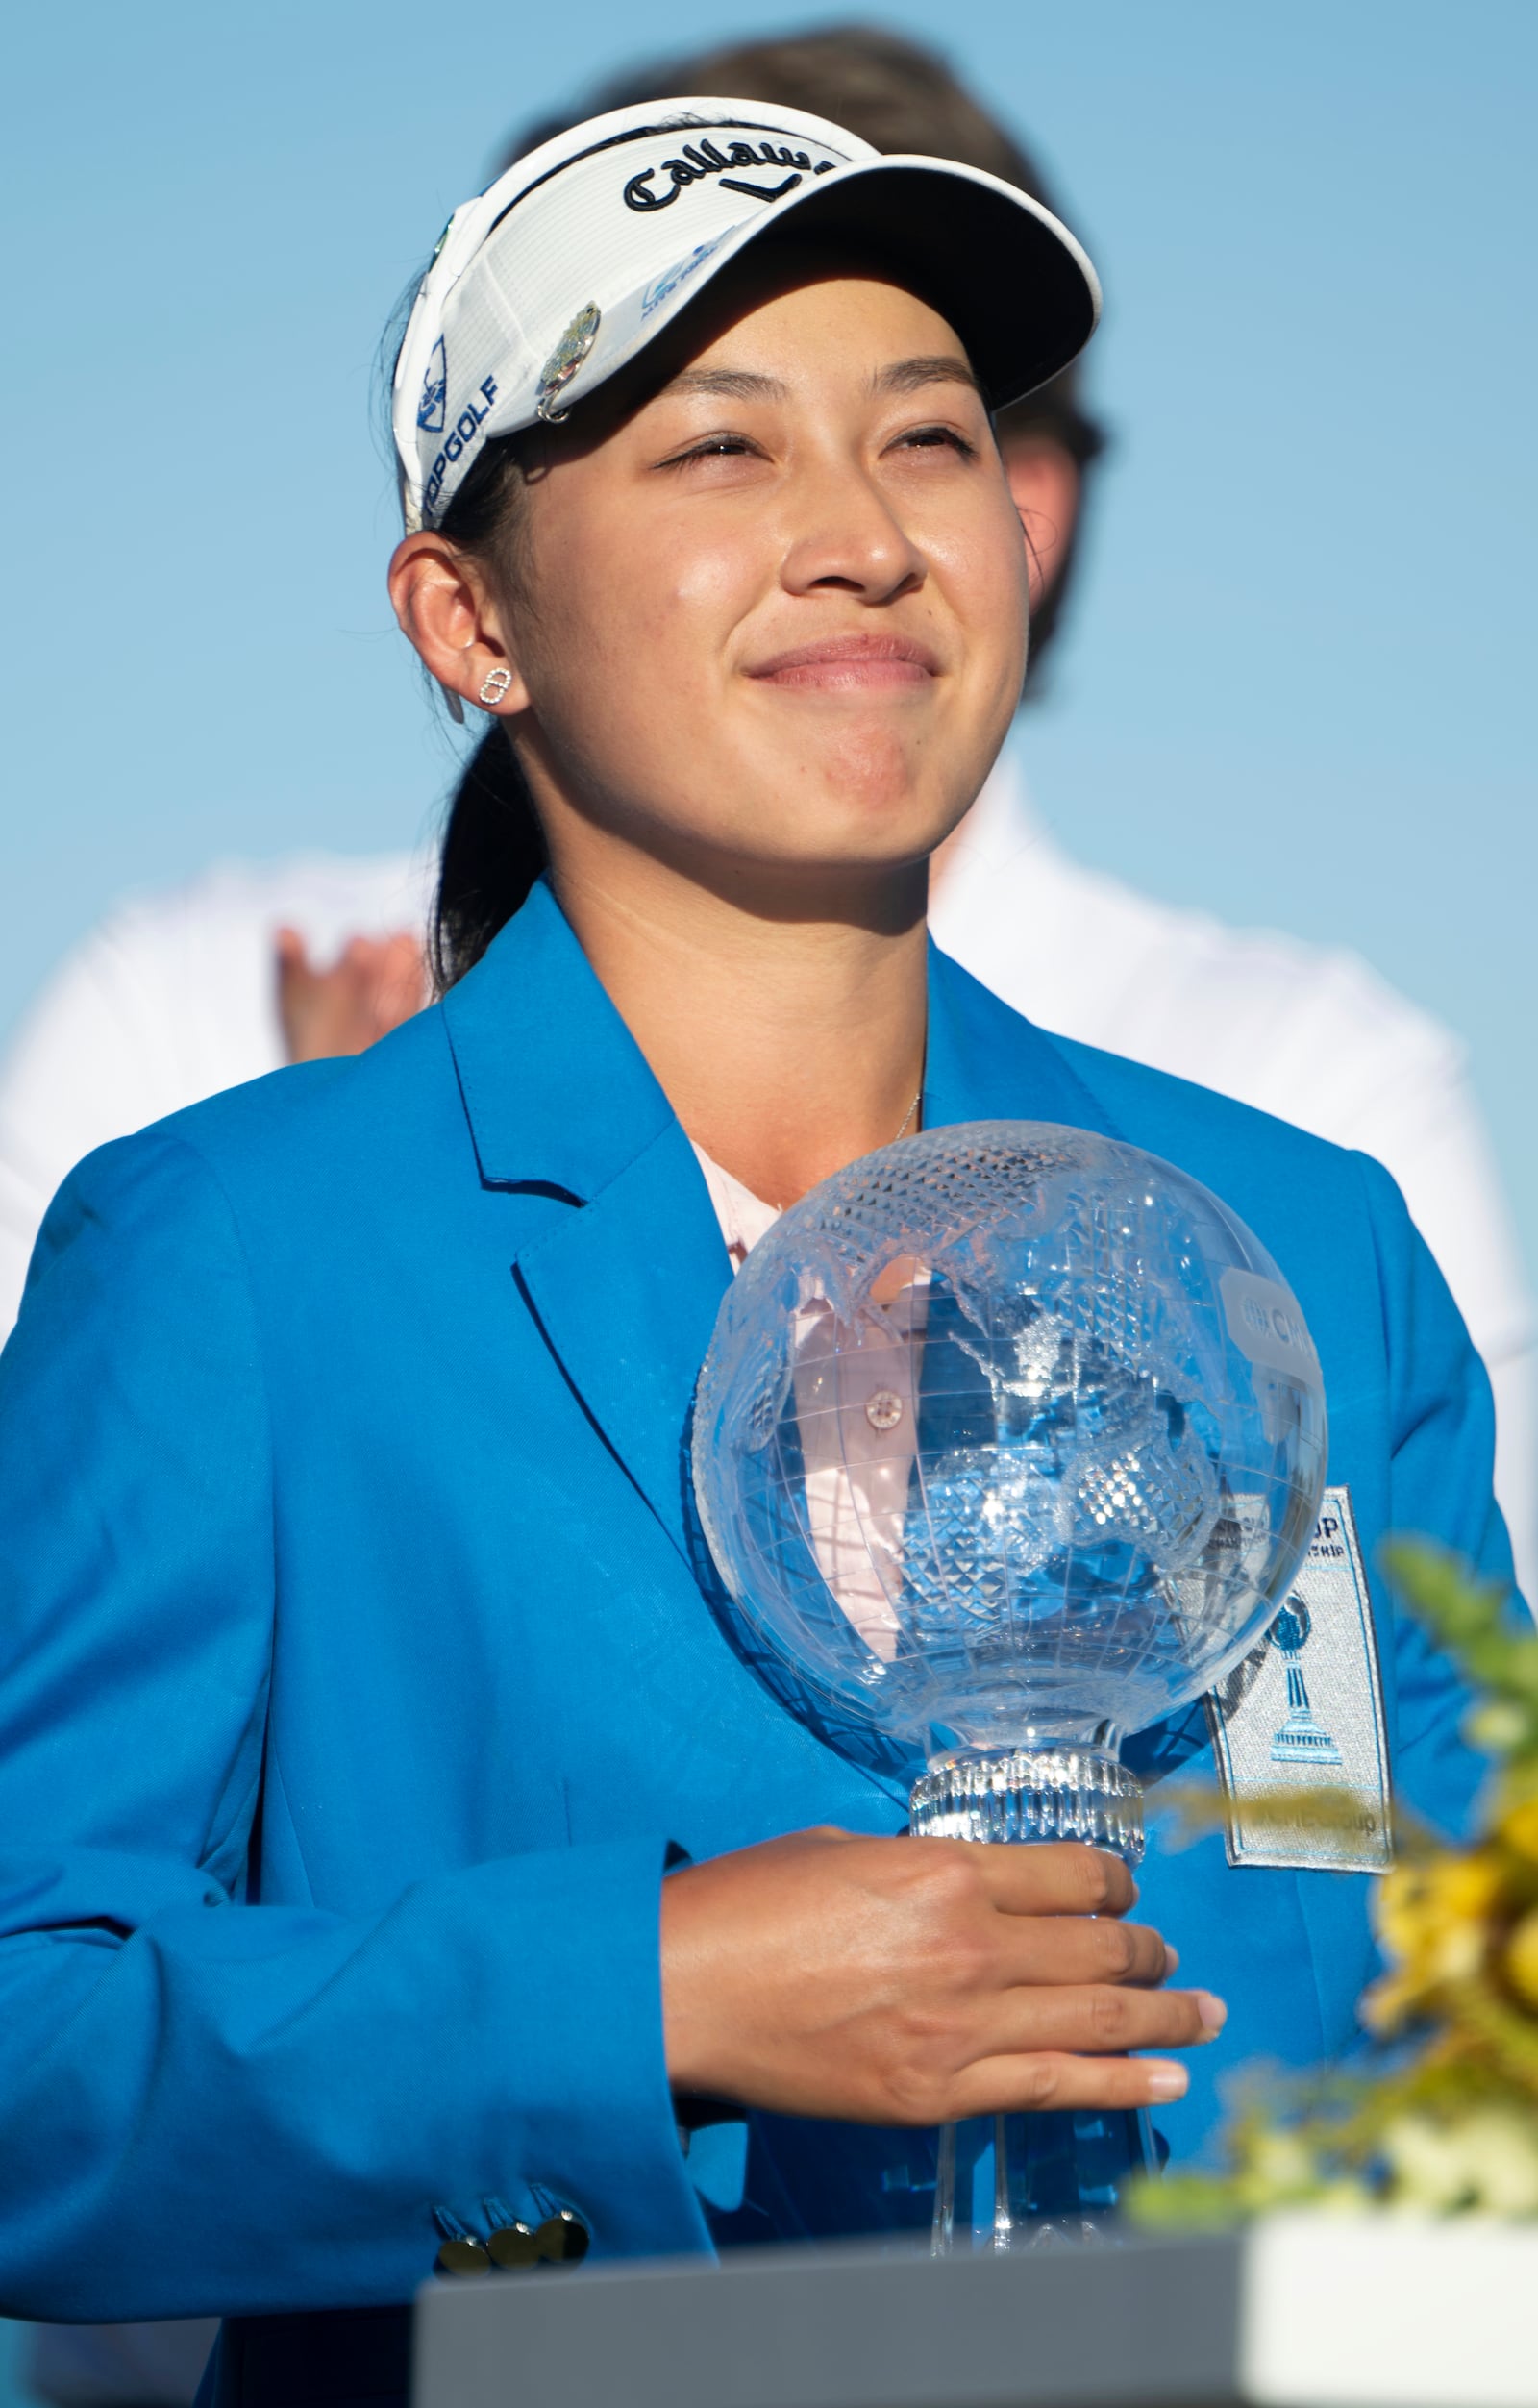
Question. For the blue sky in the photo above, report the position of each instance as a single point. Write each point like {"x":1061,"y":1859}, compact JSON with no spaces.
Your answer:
{"x":1294,"y":686}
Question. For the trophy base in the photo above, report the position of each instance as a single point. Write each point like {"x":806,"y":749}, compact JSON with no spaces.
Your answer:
{"x":1026,"y":1794}
{"x":1054,"y":2179}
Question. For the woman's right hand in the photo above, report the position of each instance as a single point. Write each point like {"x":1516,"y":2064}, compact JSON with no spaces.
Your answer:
{"x":916,"y":1982}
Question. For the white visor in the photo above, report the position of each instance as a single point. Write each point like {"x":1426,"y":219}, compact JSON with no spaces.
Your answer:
{"x":580,"y":254}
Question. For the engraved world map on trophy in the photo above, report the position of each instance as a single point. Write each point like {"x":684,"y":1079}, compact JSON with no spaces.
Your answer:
{"x":1010,"y":1439}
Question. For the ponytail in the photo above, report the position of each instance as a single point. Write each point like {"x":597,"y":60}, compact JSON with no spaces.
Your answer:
{"x":493,"y":853}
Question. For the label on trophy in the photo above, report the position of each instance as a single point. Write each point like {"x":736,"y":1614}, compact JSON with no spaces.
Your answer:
{"x":1304,"y":1712}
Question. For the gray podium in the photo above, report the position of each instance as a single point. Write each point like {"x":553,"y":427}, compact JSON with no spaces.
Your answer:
{"x":1300,"y":2312}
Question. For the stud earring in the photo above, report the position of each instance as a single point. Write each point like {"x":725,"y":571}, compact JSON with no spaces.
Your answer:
{"x":494,"y":685}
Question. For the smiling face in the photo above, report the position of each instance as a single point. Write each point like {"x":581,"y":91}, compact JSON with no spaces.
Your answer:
{"x":773,"y":612}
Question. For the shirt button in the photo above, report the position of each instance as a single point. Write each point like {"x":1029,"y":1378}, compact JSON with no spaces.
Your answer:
{"x":464,"y":2257}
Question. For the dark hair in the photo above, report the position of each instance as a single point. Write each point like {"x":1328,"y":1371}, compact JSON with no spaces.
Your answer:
{"x":493,"y":852}
{"x":493,"y":845}
{"x":898,"y":96}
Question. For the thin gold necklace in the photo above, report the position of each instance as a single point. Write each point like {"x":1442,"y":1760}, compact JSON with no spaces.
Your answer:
{"x":918,"y":1098}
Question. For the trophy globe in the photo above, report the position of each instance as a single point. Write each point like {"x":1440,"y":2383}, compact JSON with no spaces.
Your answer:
{"x":1010,"y":1441}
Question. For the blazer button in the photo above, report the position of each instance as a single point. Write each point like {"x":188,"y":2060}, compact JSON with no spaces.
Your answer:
{"x":562,"y":2238}
{"x":513,"y":2245}
{"x":464,"y":2257}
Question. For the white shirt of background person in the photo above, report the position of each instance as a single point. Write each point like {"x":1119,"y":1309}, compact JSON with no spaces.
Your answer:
{"x":177,"y":994}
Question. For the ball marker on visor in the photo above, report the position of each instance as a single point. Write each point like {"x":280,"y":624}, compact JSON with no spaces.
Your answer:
{"x":578,"y":258}
{"x":565,"y":359}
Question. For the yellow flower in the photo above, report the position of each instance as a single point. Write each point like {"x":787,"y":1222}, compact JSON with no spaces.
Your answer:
{"x":1278,"y":2165}
{"x":1518,"y":1827}
{"x":1433,"y":1923}
{"x":1431,"y":1914}
{"x":1498,"y":1727}
{"x":1486,"y":2159}
{"x":1522,"y":1958}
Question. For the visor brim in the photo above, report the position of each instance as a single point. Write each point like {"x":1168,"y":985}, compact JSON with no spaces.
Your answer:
{"x":1018,"y":290}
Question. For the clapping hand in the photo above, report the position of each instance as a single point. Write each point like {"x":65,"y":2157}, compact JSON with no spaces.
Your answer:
{"x":374,"y":985}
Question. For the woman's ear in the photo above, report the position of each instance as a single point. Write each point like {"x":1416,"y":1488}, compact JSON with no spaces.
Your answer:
{"x":447,"y":612}
{"x":1044,"y":478}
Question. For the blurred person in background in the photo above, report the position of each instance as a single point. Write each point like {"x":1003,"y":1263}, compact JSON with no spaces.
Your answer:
{"x":176,"y":996}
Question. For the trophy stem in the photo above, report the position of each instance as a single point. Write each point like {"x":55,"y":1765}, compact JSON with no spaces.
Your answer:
{"x":1022,"y":1794}
{"x":1026,"y":2181}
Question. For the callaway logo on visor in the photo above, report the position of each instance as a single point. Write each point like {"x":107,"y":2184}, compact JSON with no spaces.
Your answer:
{"x":704,"y":158}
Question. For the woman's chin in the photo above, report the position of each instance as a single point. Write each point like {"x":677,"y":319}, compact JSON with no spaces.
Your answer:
{"x":869,"y":781}
{"x":870,"y":836}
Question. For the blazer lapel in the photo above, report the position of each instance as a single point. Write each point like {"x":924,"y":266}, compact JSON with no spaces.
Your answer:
{"x":986,"y":1063}
{"x":625,"y":1286}
{"x":627,"y":1293}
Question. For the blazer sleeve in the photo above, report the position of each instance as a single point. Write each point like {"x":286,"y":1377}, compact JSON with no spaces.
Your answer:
{"x":1441,"y":1423}
{"x":208,"y":2103}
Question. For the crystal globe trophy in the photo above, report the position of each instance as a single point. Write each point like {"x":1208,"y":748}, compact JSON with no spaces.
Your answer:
{"x":1008,"y":1442}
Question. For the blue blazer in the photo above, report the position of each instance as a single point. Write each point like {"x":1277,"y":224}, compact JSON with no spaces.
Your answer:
{"x":357,"y":1681}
